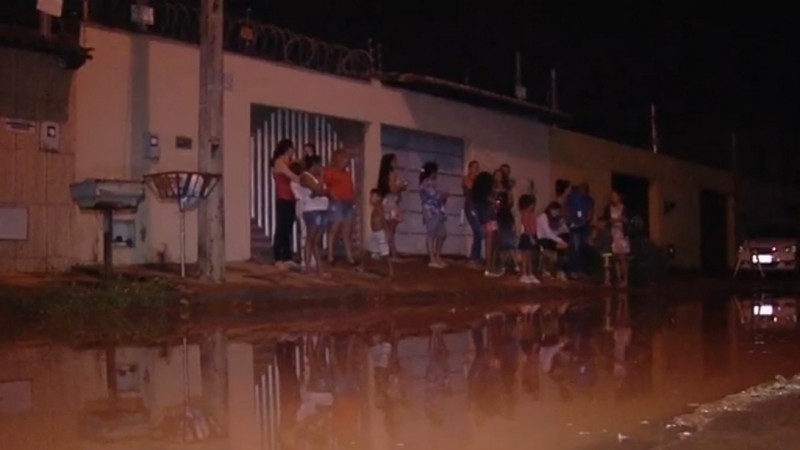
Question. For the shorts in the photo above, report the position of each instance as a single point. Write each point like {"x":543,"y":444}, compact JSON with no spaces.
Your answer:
{"x":380,"y":244}
{"x":527,"y":243}
{"x":339,"y":211}
{"x":435,"y":226}
{"x":316,"y":219}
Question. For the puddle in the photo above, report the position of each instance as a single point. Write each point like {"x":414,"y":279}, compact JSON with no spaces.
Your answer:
{"x":598,"y":373}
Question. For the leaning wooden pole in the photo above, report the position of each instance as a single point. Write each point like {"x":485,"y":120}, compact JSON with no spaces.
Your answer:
{"x":211,"y":214}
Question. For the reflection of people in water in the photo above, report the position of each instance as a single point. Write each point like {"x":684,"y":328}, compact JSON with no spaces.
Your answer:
{"x":390,"y":393}
{"x":437,"y":375}
{"x":580,"y":352}
{"x":530,"y":334}
{"x":622,"y":338}
{"x":491,"y":374}
{"x":568,"y":350}
{"x":550,"y":348}
{"x":483,"y":380}
{"x":509,"y":362}
{"x":316,"y":397}
{"x":346,"y":406}
{"x":286,"y":359}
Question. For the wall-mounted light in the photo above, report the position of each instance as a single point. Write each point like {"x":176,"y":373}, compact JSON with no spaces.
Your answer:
{"x":153,"y":149}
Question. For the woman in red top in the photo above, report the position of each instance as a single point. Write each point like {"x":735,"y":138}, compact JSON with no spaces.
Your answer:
{"x":342,"y":194}
{"x":284,"y":203}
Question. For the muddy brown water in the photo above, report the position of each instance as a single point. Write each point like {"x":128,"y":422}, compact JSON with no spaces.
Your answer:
{"x":595,"y":373}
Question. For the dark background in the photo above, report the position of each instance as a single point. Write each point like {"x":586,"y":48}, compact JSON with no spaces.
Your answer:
{"x":710,"y":70}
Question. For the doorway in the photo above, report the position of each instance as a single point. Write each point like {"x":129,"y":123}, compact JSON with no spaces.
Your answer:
{"x":713,"y":232}
{"x":635,"y":193}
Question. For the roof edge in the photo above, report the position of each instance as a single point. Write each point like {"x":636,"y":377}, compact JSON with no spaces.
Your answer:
{"x":464,"y":93}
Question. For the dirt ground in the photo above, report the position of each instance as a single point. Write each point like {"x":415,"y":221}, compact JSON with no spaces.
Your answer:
{"x":414,"y":284}
{"x":769,"y":425}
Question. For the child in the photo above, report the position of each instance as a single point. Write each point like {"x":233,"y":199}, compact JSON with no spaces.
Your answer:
{"x":527,"y":239}
{"x":378,"y":226}
{"x":505,"y":227}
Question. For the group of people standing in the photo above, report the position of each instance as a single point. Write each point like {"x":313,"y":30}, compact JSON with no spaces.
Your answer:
{"x":508,"y":231}
{"x":561,"y":232}
{"x":323,"y":198}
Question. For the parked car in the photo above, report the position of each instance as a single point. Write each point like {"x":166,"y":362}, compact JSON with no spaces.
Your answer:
{"x":773,"y":247}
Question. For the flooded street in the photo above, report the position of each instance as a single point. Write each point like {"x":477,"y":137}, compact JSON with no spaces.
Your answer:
{"x":591,"y":374}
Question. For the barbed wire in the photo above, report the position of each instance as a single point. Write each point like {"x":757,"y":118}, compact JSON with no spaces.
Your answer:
{"x":240,"y":35}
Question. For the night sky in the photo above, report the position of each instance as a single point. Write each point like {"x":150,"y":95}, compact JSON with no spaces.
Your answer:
{"x":711,"y":71}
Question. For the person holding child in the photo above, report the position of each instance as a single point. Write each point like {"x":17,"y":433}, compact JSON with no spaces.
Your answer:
{"x":313,"y":195}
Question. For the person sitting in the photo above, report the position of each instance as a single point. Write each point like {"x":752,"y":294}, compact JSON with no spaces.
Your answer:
{"x":548,"y":226}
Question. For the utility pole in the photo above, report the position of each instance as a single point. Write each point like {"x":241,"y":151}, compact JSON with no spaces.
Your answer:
{"x":211,"y":212}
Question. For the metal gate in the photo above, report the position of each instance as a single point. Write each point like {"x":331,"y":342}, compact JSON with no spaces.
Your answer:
{"x":301,"y":128}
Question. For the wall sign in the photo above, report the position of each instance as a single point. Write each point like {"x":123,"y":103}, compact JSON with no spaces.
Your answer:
{"x":20,"y":126}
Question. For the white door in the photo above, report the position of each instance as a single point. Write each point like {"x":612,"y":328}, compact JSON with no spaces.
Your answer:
{"x":413,"y":149}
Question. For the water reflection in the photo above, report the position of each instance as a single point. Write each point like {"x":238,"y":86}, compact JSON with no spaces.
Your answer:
{"x":562,"y":375}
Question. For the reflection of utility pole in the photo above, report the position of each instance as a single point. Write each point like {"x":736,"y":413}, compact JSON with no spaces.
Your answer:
{"x":214,"y":375}
{"x":211,"y":213}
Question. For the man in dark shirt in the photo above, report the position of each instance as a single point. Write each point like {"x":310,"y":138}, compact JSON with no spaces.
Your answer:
{"x":580,"y":215}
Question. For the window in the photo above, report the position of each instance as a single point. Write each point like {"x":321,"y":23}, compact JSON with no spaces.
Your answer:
{"x":13,"y":223}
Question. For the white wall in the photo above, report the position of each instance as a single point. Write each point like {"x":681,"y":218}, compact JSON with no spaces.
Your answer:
{"x":136,"y":84}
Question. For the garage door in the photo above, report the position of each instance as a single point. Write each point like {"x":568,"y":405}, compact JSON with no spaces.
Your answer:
{"x":413,"y":149}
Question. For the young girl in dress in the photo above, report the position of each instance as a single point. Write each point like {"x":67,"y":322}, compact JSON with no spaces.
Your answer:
{"x":527,"y":239}
{"x":616,"y":219}
{"x":390,"y":187}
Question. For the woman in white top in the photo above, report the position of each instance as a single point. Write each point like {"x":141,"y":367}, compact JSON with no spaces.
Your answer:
{"x":314,"y":199}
